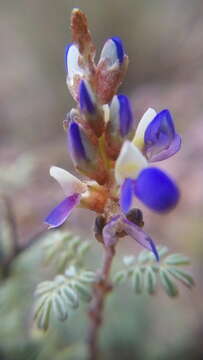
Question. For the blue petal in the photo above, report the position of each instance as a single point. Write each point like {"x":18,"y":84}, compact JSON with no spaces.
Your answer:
{"x":159,"y":136}
{"x":156,"y":190}
{"x":126,"y":195}
{"x":75,"y":140}
{"x":139,"y":235}
{"x":168,"y":152}
{"x":125,"y":115}
{"x":119,"y":48}
{"x":86,"y":103}
{"x":62,"y":211}
{"x":66,"y":55}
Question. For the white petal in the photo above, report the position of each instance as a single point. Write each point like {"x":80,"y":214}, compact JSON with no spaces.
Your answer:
{"x":148,"y":116}
{"x":72,"y":62}
{"x":109,"y":53}
{"x":69,"y":183}
{"x":129,"y":163}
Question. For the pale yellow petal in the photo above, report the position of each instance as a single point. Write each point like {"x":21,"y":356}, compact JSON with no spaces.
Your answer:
{"x":146,"y":119}
{"x":129,"y":163}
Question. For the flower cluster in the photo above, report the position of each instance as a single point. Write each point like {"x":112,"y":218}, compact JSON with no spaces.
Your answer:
{"x":113,"y":155}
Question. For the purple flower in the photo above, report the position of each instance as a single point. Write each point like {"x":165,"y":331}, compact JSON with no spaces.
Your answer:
{"x":161,"y":140}
{"x":153,"y":187}
{"x":73,"y":189}
{"x":156,"y":135}
{"x":119,"y":225}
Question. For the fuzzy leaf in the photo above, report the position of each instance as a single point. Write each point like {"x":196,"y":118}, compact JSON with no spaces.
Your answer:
{"x":61,"y":295}
{"x":162,"y":250}
{"x":63,"y":248}
{"x":137,"y":280}
{"x":83,"y":292}
{"x":59,"y":307}
{"x":87,"y":276}
{"x":177,"y":259}
{"x":168,"y":284}
{"x":120,"y":277}
{"x":43,"y":316}
{"x":70,"y":295}
{"x":183,"y":276}
{"x":150,"y":280}
{"x":144,"y":257}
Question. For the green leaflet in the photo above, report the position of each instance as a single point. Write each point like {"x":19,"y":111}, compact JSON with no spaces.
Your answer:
{"x":64,"y":248}
{"x":58,"y":298}
{"x":145,"y":273}
{"x":168,"y":284}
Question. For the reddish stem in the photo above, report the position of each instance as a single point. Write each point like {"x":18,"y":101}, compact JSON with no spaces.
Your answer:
{"x":100,"y":290}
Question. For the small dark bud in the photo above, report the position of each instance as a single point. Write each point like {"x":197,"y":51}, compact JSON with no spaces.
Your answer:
{"x":136,"y":217}
{"x":99,"y":224}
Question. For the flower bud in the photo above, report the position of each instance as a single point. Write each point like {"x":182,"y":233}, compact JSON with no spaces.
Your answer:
{"x":88,"y":106}
{"x":86,"y":98}
{"x":111,"y":69}
{"x":113,"y":51}
{"x":74,"y":68}
{"x":85,"y":154}
{"x":119,"y":125}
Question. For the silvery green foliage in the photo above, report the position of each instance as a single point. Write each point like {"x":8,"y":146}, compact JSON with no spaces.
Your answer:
{"x":145,"y":273}
{"x":63,"y":248}
{"x":57,"y":299}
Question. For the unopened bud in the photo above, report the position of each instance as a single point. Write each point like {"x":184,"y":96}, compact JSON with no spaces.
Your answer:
{"x":84,"y":153}
{"x":99,"y":224}
{"x":111,"y":69}
{"x":86,"y":98}
{"x":136,"y":217}
{"x":120,"y":124}
{"x":93,"y":114}
{"x":74,"y":68}
{"x":113,"y":51}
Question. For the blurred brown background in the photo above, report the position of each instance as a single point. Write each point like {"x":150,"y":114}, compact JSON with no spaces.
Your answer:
{"x":164,"y":41}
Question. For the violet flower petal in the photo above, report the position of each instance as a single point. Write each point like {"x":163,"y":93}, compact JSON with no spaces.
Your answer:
{"x":76,"y":145}
{"x":156,"y":190}
{"x":140,"y":236}
{"x":159,"y":137}
{"x":125,"y":115}
{"x":62,"y":211}
{"x":126,"y":195}
{"x":110,"y":231}
{"x":86,"y":99}
{"x":170,"y":151}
